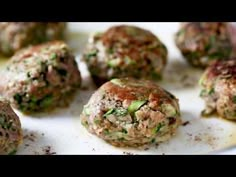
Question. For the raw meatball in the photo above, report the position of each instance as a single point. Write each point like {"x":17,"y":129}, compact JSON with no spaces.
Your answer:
{"x":17,"y":35}
{"x":125,"y":51}
{"x":41,"y":77}
{"x":219,"y":89}
{"x":10,"y":129}
{"x":201,"y":43}
{"x":130,"y":112}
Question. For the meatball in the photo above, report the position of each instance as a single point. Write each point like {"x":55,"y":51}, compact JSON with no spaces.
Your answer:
{"x":130,"y":112}
{"x":125,"y":51}
{"x":10,"y":129}
{"x":201,"y":43}
{"x":40,"y":77}
{"x":219,"y":89}
{"x":17,"y":35}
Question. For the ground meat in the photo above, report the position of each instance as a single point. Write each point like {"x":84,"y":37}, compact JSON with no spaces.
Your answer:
{"x":219,"y":89}
{"x":17,"y":35}
{"x":10,"y":129}
{"x":203,"y":42}
{"x":130,"y":112}
{"x":41,"y":77}
{"x":125,"y":51}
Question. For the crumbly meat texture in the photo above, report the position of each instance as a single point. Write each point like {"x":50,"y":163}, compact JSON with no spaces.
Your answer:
{"x":203,"y":42}
{"x":10,"y":129}
{"x":219,"y":89}
{"x":129,"y":112}
{"x":125,"y":51}
{"x":17,"y":35}
{"x":41,"y":77}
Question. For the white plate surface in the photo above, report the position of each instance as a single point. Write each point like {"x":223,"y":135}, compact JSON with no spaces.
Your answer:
{"x":60,"y":131}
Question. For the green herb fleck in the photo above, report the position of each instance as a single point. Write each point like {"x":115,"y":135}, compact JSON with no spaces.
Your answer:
{"x":156,"y":76}
{"x":180,"y":32}
{"x":105,"y":131}
{"x":121,"y":139}
{"x":129,"y":61}
{"x":18,"y":98}
{"x":53,"y":56}
{"x":124,"y":131}
{"x":110,"y":50}
{"x":201,"y":80}
{"x":28,"y":74}
{"x":234,"y":98}
{"x":2,"y":119}
{"x":211,"y":91}
{"x":117,"y":82}
{"x":46,"y":101}
{"x":212,"y":40}
{"x":110,"y":111}
{"x":117,"y":112}
{"x":86,"y":111}
{"x":13,"y":152}
{"x":3,"y":123}
{"x":203,"y":93}
{"x":91,"y":54}
{"x":169,"y":110}
{"x":135,"y":105}
{"x":34,"y":99}
{"x":217,"y":55}
{"x":120,"y":112}
{"x":157,"y":128}
{"x":84,"y":123}
{"x":96,"y":121}
{"x":9,"y":125}
{"x":114,"y":62}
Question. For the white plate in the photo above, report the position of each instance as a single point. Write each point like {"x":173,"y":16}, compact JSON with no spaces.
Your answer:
{"x":60,"y":132}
